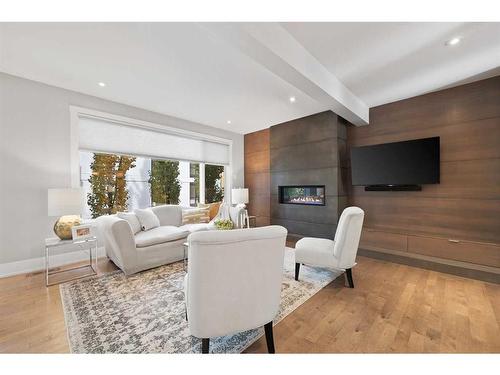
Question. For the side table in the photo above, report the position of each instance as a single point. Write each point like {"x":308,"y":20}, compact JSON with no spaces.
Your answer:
{"x":89,"y":244}
{"x":251,"y":218}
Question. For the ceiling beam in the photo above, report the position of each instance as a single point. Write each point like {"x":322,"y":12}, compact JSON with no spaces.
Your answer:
{"x":272,"y":46}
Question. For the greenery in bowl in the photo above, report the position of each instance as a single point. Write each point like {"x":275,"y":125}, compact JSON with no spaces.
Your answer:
{"x":224,"y":224}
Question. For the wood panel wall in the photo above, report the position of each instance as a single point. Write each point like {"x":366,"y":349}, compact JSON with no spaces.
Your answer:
{"x":466,"y":204}
{"x":309,"y":151}
{"x":257,"y":175}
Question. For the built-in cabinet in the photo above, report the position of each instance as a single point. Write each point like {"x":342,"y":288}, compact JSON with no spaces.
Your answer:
{"x":455,"y":249}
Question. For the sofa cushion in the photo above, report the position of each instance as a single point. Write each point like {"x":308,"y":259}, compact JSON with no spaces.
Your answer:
{"x":147,"y":218}
{"x":314,"y":251}
{"x":159,"y":235}
{"x":169,"y":214}
{"x":198,"y":227}
{"x":131,"y":219}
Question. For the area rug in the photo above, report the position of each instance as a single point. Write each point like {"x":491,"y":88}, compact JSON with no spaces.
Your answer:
{"x":145,"y":313}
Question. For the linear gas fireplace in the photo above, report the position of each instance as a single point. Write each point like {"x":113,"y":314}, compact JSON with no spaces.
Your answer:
{"x":313,"y":195}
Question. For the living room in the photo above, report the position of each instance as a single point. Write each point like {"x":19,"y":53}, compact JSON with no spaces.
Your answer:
{"x":250,"y":187}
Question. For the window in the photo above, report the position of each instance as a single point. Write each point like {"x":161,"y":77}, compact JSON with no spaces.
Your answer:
{"x":164,"y":181}
{"x":125,"y":163}
{"x":113,"y":182}
{"x":194,"y":185}
{"x":214,"y":183}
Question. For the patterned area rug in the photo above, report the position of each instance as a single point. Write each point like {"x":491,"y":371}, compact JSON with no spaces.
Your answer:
{"x":144,"y":313}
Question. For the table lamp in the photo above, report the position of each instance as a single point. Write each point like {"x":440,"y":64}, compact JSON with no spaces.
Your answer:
{"x":67,"y":204}
{"x":239,"y":197}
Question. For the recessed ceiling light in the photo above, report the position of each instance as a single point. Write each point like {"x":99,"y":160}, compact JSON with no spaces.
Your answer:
{"x":292,"y":99}
{"x":453,"y":41}
{"x":228,"y":121}
{"x":102,"y":84}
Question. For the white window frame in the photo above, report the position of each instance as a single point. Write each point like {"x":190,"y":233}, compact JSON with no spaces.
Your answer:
{"x":80,"y":112}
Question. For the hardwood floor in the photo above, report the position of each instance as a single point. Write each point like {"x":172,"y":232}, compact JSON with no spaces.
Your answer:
{"x":394,"y":308}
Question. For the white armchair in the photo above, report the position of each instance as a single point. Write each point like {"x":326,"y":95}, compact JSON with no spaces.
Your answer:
{"x":338,"y":254}
{"x":233,"y":282}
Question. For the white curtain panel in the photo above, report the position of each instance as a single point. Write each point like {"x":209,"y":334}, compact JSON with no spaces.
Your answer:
{"x":102,"y":136}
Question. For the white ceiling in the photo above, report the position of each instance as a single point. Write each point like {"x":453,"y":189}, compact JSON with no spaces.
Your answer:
{"x":184,"y":70}
{"x":385,"y":62}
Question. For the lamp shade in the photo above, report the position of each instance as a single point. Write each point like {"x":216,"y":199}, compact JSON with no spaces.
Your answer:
{"x":239,"y":196}
{"x":64,"y":202}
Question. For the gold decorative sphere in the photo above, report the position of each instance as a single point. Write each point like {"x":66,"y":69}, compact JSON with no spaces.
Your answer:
{"x":62,"y":227}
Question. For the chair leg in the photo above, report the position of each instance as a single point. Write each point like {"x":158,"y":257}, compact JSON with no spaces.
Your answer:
{"x":269,"y":337}
{"x":205,"y":346}
{"x":297,"y":270}
{"x":348,"y":274}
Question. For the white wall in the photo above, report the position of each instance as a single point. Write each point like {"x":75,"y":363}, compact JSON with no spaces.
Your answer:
{"x":34,"y":155}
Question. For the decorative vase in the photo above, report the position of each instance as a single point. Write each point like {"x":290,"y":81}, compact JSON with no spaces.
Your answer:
{"x":62,"y":227}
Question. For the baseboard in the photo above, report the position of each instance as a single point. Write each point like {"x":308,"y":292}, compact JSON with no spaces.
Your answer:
{"x":471,"y":271}
{"x":38,"y":264}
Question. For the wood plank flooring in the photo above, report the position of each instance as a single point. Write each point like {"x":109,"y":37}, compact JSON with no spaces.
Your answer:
{"x":393,"y":308}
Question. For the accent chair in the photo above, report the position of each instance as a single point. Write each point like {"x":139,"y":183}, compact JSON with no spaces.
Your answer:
{"x":234,"y":281}
{"x":339,"y":253}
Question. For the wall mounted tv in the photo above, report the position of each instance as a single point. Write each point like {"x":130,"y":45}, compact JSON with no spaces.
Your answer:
{"x":396,"y":166}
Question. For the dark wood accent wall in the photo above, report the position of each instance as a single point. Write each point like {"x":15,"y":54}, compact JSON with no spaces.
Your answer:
{"x":459,"y":218}
{"x":309,"y":151}
{"x":257,"y":175}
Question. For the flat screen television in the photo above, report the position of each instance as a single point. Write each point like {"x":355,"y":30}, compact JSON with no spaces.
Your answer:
{"x":396,"y":166}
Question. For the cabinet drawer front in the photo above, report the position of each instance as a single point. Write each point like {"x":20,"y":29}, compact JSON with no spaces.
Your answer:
{"x":472,"y":252}
{"x":382,"y":240}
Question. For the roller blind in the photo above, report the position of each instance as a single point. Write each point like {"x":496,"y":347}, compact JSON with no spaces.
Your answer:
{"x":106,"y":136}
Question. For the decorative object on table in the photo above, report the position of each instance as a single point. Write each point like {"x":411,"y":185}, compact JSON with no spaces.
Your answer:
{"x":161,"y":327}
{"x":66,"y":203}
{"x":239,"y":197}
{"x":224,"y":224}
{"x":83,"y":231}
{"x":87,"y":244}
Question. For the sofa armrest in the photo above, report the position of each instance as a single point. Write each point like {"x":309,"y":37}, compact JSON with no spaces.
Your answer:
{"x":119,"y":242}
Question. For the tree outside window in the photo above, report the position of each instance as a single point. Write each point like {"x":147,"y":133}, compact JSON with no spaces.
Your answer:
{"x":165,"y":186}
{"x":214,"y":183}
{"x":109,"y":193}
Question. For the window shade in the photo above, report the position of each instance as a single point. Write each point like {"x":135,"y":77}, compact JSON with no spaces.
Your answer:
{"x":105,"y":136}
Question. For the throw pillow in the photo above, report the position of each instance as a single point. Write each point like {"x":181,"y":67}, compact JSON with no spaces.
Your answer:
{"x":132,"y":220}
{"x":214,"y":209}
{"x":147,"y":218}
{"x":195,"y":215}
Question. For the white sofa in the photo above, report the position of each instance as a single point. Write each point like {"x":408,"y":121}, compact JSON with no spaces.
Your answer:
{"x":152,"y":248}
